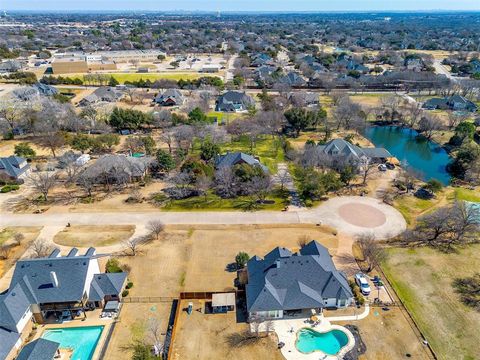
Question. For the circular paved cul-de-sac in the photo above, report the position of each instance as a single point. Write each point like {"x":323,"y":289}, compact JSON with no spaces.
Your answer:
{"x":362,"y":215}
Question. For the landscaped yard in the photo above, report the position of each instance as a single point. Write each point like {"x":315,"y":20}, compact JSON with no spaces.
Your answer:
{"x":214,"y":203}
{"x":411,"y":207}
{"x":268,"y":150}
{"x":93,"y":235}
{"x":423,"y":280}
{"x":467,"y":195}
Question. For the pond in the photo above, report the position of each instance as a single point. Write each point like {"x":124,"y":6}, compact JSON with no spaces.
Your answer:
{"x":425,"y":158}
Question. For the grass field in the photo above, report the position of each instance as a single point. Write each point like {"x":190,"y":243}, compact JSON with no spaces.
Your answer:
{"x":215,"y":203}
{"x":267,"y":149}
{"x":423,"y":280}
{"x":466,"y":195}
{"x":91,"y":235}
{"x":122,"y":77}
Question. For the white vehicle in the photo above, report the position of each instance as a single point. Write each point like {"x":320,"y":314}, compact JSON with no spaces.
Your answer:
{"x":382,"y":167}
{"x":362,"y":282}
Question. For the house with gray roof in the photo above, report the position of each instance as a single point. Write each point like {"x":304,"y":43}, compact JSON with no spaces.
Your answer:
{"x":284,"y":282}
{"x":454,"y":103}
{"x":53,"y":288}
{"x":231,"y":159}
{"x":13,"y":167}
{"x":171,"y":97}
{"x":40,"y":349}
{"x":102,"y":94}
{"x":234,"y":101}
{"x":340,"y":148}
{"x":45,"y":90}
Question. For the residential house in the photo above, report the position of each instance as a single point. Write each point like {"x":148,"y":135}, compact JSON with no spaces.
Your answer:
{"x":119,"y":169}
{"x":340,"y":148}
{"x":103,"y":93}
{"x":292,"y":79}
{"x":27,"y":93}
{"x":414,"y":64}
{"x":261,"y":59}
{"x":40,"y":349}
{"x":10,"y":66}
{"x":454,"y":103}
{"x":171,"y":97}
{"x":283,"y":283}
{"x":234,"y":101}
{"x":45,"y":90}
{"x":231,"y":159}
{"x":303,"y":99}
{"x":53,"y":288}
{"x":13,"y":167}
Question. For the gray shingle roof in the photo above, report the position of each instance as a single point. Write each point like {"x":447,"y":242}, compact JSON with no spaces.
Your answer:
{"x":14,"y":166}
{"x":40,"y":349}
{"x":340,"y":147}
{"x":13,"y":305}
{"x":35,"y":277}
{"x":8,"y":340}
{"x":233,"y":158}
{"x":234,"y":101}
{"x":170,"y":94}
{"x":285,"y":281}
{"x":106,"y":284}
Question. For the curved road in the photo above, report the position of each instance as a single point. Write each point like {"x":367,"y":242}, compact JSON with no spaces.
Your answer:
{"x":387,"y":221}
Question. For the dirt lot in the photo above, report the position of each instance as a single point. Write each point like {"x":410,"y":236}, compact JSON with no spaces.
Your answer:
{"x":206,"y":336}
{"x":423,"y":280}
{"x":93,"y":235}
{"x":387,"y":335}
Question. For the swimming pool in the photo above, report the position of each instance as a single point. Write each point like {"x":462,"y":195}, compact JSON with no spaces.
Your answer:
{"x":82,"y":340}
{"x":330,"y":342}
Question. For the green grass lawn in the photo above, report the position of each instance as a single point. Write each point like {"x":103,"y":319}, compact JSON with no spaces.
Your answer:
{"x":466,"y":195}
{"x":423,"y":278}
{"x":215,"y":203}
{"x":122,"y":77}
{"x":267,"y":149}
{"x":5,"y":235}
{"x":410,"y":207}
{"x":224,"y":118}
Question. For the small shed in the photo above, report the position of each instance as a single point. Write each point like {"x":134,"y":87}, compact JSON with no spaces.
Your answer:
{"x":112,"y":306}
{"x":223,"y":302}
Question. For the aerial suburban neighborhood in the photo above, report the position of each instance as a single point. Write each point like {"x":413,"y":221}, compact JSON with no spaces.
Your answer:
{"x":291,"y":180}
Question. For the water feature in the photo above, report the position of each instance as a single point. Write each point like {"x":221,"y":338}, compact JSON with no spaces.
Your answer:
{"x":81,"y":340}
{"x":330,"y":342}
{"x":427,"y":159}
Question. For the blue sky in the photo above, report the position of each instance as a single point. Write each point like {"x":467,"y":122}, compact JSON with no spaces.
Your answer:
{"x":242,"y":5}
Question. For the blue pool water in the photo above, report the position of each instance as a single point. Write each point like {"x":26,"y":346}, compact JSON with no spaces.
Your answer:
{"x":82,"y":340}
{"x":427,"y":159}
{"x":330,"y":342}
{"x":476,"y":207}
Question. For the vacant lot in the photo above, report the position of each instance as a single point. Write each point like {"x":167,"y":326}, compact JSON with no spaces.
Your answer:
{"x":30,"y":233}
{"x":93,"y":235}
{"x":423,"y":280}
{"x":207,"y":336}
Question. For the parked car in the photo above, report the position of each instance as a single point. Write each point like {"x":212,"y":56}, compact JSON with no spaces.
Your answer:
{"x":382,"y":167}
{"x":362,"y":282}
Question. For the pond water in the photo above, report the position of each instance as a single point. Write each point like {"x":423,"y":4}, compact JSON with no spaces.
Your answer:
{"x":427,"y":159}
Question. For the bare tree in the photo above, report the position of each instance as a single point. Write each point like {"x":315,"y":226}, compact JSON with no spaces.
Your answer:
{"x":156,"y":227}
{"x":43,"y":182}
{"x":155,"y":332}
{"x":40,"y":248}
{"x":18,"y":238}
{"x":11,"y":113}
{"x":5,"y":251}
{"x":167,"y":137}
{"x":373,"y":252}
{"x":283,"y":177}
{"x":366,"y":167}
{"x":428,"y":125}
{"x":132,"y":245}
{"x":52,"y":142}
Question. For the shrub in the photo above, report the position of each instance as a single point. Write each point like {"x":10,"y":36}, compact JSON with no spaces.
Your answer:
{"x":125,"y":293}
{"x":357,"y":294}
{"x":113,"y":266}
{"x":129,"y":285}
{"x":8,"y":188}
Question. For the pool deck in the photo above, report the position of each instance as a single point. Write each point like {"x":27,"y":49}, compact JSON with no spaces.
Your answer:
{"x":93,"y":319}
{"x":287,"y":328}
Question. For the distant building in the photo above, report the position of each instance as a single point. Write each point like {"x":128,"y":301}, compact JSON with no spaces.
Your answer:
{"x":234,"y":101}
{"x":13,"y":167}
{"x":284,"y":282}
{"x":170,"y":97}
{"x":454,"y":103}
{"x":210,"y":68}
{"x":103,"y":93}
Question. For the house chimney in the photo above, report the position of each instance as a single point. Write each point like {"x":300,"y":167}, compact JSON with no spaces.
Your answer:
{"x":53,"y":277}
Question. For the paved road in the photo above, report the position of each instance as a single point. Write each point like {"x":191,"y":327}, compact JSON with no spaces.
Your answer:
{"x":326,"y":214}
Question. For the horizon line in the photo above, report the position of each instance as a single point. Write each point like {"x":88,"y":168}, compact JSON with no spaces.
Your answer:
{"x":244,"y":11}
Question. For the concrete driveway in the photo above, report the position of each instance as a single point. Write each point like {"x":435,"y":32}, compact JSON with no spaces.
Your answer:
{"x":352,"y":215}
